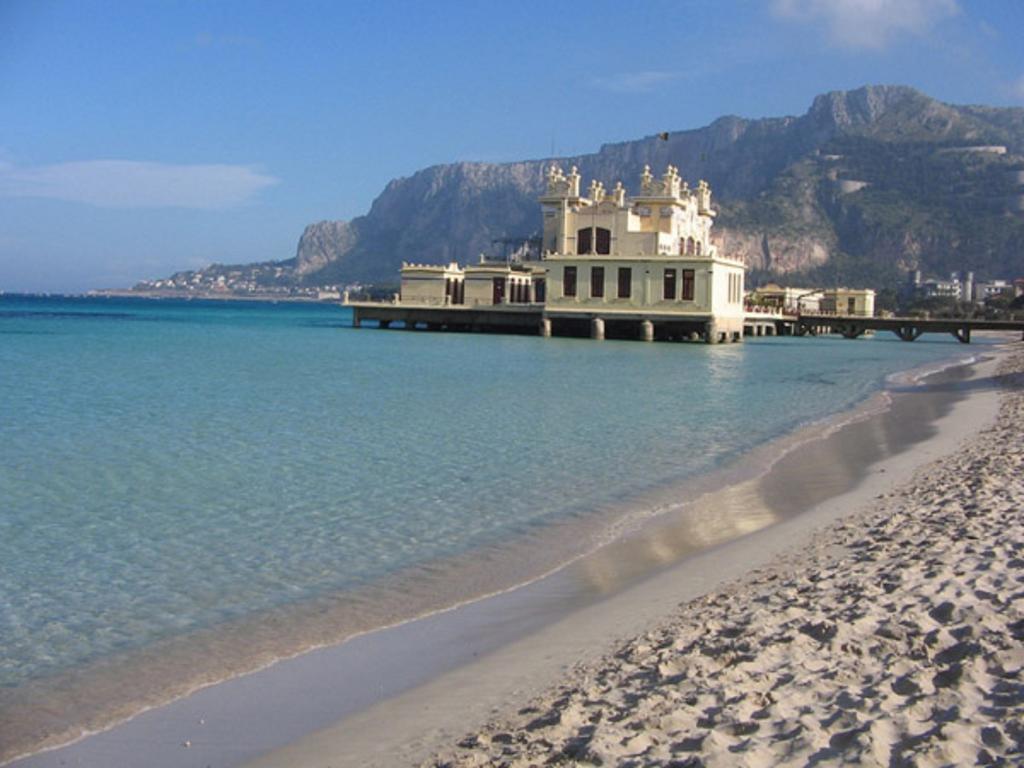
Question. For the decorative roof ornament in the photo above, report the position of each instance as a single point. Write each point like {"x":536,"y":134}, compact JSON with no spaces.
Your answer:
{"x":574,"y":182}
{"x":561,"y":185}
{"x":670,"y":181}
{"x":703,"y":197}
{"x":619,"y":195}
{"x":646,"y":180}
{"x":556,"y":180}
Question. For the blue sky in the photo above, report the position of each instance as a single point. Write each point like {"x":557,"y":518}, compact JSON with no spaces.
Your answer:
{"x":141,"y":138}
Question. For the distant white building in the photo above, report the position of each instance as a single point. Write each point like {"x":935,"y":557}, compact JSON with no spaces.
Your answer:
{"x":983,"y":291}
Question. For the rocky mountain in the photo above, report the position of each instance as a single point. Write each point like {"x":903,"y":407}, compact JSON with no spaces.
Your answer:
{"x":866,"y":184}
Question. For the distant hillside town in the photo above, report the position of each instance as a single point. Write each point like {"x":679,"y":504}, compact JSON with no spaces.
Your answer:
{"x":252,"y":281}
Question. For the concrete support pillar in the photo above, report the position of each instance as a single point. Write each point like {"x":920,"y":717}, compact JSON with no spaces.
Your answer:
{"x":647,"y":330}
{"x":597,"y":329}
{"x":545,"y":327}
{"x":710,"y":333}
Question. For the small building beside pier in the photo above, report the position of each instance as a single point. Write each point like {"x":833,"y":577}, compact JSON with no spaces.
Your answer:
{"x":787,"y":299}
{"x":854,"y":302}
{"x":486,"y":284}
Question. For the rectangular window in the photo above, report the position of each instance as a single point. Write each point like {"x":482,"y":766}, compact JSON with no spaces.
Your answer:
{"x":584,"y":240}
{"x":851,"y":306}
{"x":604,"y":240}
{"x":538,"y":290}
{"x":569,"y":282}
{"x":597,"y":282}
{"x":625,"y":282}
{"x":670,"y":284}
{"x":687,"y":285}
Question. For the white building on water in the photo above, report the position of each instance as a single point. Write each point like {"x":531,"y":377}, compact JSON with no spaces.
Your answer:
{"x":640,"y":266}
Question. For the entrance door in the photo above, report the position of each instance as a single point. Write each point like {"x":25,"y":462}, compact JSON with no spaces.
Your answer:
{"x":498,"y":293}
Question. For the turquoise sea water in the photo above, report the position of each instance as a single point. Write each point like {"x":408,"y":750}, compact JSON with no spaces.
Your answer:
{"x":169,"y":466}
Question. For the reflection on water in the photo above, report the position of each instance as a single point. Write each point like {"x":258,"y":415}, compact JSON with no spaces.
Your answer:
{"x":712,"y":519}
{"x":808,"y":475}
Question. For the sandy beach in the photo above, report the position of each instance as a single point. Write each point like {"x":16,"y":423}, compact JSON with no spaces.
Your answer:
{"x":891,"y":637}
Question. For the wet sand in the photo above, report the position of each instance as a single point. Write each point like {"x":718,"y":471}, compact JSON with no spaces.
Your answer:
{"x":385,"y":687}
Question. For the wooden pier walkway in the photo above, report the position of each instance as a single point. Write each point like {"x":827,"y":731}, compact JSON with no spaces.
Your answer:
{"x":503,"y":318}
{"x":536,"y":319}
{"x":907,"y":328}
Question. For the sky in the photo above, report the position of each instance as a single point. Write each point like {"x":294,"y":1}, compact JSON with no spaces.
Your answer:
{"x":142,"y":138}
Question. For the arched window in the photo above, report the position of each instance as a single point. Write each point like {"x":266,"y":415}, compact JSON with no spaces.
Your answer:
{"x":697,"y":248}
{"x":584,"y":240}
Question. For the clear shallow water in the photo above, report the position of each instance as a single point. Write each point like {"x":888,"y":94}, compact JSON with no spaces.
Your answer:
{"x":171,"y":466}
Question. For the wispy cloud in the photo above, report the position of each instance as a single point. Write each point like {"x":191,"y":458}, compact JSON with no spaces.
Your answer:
{"x":871,"y":24}
{"x":988,"y":30}
{"x":635,"y":82}
{"x":134,"y":184}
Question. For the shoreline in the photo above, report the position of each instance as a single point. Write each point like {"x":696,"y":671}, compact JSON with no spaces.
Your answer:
{"x":168,"y":671}
{"x":158,"y":297}
{"x":598,"y":583}
{"x":889,"y":635}
{"x":427,"y":721}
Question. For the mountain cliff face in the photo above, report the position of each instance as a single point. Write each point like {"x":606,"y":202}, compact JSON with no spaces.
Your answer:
{"x":321,"y":244}
{"x":864,"y":185}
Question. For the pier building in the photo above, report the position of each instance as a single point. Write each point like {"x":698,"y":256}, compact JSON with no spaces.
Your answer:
{"x":640,"y":266}
{"x":646,"y":259}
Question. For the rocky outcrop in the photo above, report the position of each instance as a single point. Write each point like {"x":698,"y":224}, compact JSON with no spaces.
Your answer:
{"x":321,"y":244}
{"x":776,"y":253}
